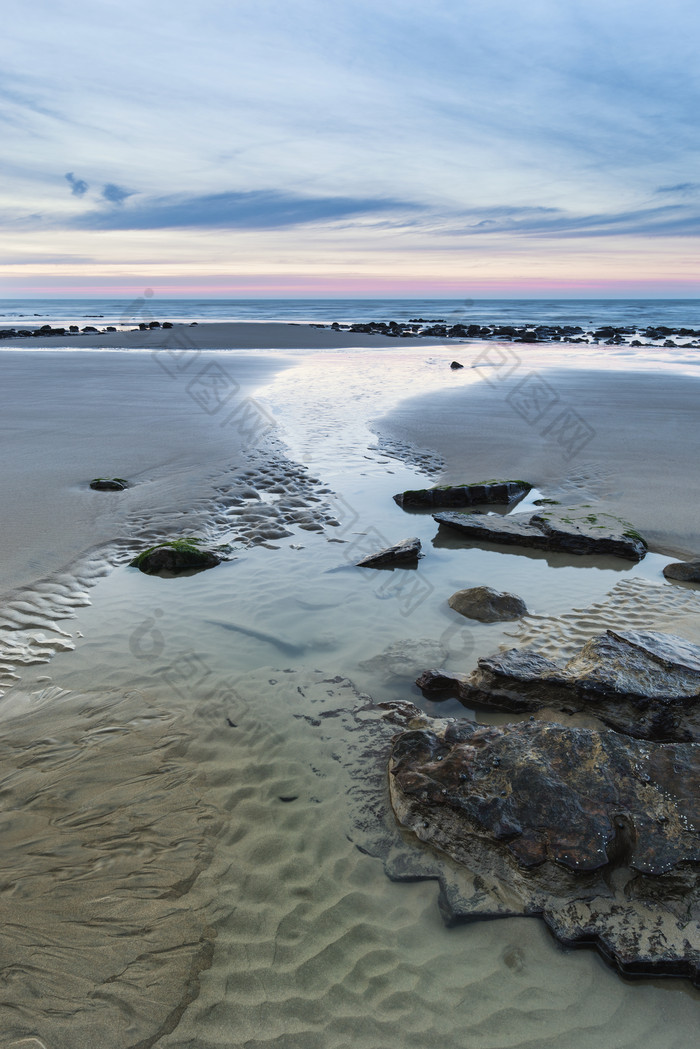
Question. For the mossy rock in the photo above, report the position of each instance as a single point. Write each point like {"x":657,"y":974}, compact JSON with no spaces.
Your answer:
{"x":109,"y":484}
{"x":175,"y":556}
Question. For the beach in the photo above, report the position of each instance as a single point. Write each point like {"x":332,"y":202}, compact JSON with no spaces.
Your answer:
{"x":184,"y":866}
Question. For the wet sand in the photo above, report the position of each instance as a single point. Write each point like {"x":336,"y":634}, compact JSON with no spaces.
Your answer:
{"x":181,"y":862}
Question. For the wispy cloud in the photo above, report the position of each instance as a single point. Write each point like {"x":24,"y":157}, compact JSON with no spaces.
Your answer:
{"x":257,"y":209}
{"x":683,"y":189}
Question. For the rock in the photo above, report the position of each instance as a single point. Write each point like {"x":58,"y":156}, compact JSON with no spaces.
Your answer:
{"x":439,"y":684}
{"x":563,"y":529}
{"x":487,"y":605}
{"x":90,"y":329}
{"x":405,"y":552}
{"x":179,"y":555}
{"x":109,"y":484}
{"x":484,"y":493}
{"x":643,"y":683}
{"x":455,"y":365}
{"x":592,"y":830}
{"x":686,"y":571}
{"x":73,"y":327}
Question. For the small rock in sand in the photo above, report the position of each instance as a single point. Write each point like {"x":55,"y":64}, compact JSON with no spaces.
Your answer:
{"x":487,"y":605}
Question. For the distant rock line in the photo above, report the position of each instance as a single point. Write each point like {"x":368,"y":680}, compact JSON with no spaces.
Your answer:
{"x":46,"y":331}
{"x":420,"y":328}
{"x":572,"y":333}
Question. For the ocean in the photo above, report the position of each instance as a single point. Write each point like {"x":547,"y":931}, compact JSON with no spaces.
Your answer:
{"x":636,"y":313}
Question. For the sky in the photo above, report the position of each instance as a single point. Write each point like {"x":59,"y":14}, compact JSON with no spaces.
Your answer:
{"x":478,"y":148}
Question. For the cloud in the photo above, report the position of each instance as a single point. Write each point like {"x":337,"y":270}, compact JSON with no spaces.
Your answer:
{"x":685,"y":189}
{"x":115,"y":194}
{"x":78,"y":185}
{"x":668,"y":220}
{"x":256,"y":209}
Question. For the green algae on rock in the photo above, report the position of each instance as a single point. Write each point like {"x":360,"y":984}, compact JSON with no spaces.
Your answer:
{"x":175,"y":556}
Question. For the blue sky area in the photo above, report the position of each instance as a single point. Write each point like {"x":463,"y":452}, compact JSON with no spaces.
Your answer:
{"x":487,"y":147}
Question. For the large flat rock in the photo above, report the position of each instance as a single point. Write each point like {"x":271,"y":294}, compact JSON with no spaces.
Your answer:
{"x":595,"y":831}
{"x":570,"y":530}
{"x":643,"y":683}
{"x":484,"y":493}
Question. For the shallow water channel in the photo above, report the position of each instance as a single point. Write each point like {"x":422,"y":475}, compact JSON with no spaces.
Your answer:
{"x":179,"y":869}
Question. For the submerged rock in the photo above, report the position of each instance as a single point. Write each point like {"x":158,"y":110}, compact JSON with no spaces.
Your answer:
{"x":686,"y":571}
{"x":406,"y":552}
{"x":643,"y":683}
{"x":179,"y":555}
{"x":563,"y":529}
{"x":484,"y":493}
{"x":487,"y":605}
{"x":596,"y":832}
{"x":405,"y":658}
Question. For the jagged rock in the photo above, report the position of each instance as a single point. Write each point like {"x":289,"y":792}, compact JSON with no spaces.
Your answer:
{"x":646,"y":684}
{"x":482,"y":494}
{"x":686,"y":571}
{"x":560,"y":528}
{"x":405,"y":552}
{"x":180,"y":555}
{"x":487,"y":605}
{"x":596,"y":832}
{"x":455,"y":365}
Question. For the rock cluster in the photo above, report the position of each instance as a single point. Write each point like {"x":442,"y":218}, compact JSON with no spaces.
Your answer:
{"x":611,"y":335}
{"x":643,"y":683}
{"x":46,"y":331}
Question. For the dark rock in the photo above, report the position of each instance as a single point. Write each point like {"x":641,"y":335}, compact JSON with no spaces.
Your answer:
{"x":110,"y":328}
{"x":179,"y":555}
{"x":643,"y":683}
{"x":484,"y":493}
{"x":90,"y":329}
{"x":594,"y":831}
{"x":109,"y":484}
{"x":407,"y":551}
{"x":154,"y":324}
{"x":73,"y":327}
{"x":434,"y":682}
{"x":564,"y":529}
{"x":455,"y":365}
{"x":167,"y":324}
{"x":487,"y":605}
{"x":687,"y":571}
